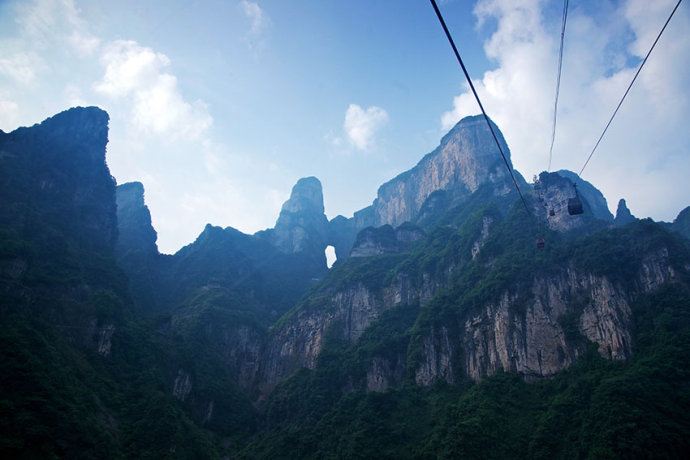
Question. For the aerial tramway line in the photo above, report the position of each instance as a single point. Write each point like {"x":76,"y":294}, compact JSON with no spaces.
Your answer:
{"x":575,"y":206}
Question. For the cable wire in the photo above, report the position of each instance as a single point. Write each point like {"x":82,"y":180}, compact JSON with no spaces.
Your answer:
{"x":558,"y":82}
{"x":639,"y":69}
{"x":476,"y":96}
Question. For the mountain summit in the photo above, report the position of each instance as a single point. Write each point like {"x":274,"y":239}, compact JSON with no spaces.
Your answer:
{"x":466,"y":159}
{"x":302,"y":224}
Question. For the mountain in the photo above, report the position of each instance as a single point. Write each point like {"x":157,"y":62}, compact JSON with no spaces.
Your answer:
{"x":81,"y":378}
{"x":444,"y":329}
{"x":623,"y":214}
{"x":596,"y":200}
{"x":682,"y":223}
{"x":461,"y":164}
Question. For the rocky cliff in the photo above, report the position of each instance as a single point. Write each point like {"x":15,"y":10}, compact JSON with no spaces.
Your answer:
{"x":54,"y":176}
{"x":682,"y":223}
{"x":596,"y":200}
{"x":136,"y":232}
{"x":535,"y":325}
{"x":623,"y":214}
{"x":302,"y":225}
{"x":465,"y":160}
{"x":553,"y":192}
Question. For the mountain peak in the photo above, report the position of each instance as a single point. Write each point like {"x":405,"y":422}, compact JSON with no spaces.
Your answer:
{"x":623,"y":214}
{"x":306,"y":196}
{"x":596,"y":200}
{"x":302,"y":224}
{"x":465,"y":159}
{"x":136,"y":232}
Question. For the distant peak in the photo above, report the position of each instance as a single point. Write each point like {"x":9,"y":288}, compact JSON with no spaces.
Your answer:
{"x":306,"y":195}
{"x":623,"y":214}
{"x":79,"y":115}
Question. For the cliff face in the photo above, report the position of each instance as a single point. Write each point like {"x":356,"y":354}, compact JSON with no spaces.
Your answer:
{"x":54,"y":177}
{"x":623,"y":214}
{"x":545,"y":334}
{"x":302,"y":225}
{"x":682,"y":223}
{"x":596,"y":200}
{"x":552,"y":192}
{"x":466,"y":159}
{"x":384,"y":240}
{"x":59,"y":226}
{"x":535,"y":327}
{"x":136,"y":233}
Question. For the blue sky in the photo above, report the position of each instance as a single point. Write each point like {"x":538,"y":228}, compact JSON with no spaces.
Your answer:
{"x":218,"y":107}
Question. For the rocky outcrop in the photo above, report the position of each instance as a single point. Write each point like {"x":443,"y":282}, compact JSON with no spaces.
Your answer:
{"x":479,"y":243}
{"x":136,"y":233}
{"x":383,"y":373}
{"x":466,"y":159}
{"x":385,"y":240}
{"x":596,"y":200}
{"x":302,"y":224}
{"x":297,"y":342}
{"x":55,"y":177}
{"x":552,"y":192}
{"x":623,"y":214}
{"x":545,"y":333}
{"x":182,"y":386}
{"x":681,"y":224}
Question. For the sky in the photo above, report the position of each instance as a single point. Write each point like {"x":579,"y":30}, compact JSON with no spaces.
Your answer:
{"x":218,"y":107}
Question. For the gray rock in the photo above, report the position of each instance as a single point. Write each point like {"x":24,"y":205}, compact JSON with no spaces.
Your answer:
{"x":623,"y":214}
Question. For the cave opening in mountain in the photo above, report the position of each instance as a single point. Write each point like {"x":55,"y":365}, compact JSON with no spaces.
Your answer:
{"x":330,"y":256}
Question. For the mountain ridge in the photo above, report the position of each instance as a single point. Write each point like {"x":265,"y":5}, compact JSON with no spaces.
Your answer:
{"x":439,"y":333}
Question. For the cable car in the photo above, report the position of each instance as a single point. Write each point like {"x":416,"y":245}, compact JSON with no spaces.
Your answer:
{"x":575,"y":204}
{"x":552,"y":213}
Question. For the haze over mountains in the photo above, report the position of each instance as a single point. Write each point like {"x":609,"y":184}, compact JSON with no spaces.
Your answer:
{"x":442,"y":329}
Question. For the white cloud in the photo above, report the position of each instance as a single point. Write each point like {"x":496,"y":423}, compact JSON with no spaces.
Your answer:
{"x":74,"y":96}
{"x":84,"y":43}
{"x":47,"y":22}
{"x":361,"y":125}
{"x":647,"y":141}
{"x":9,"y":111}
{"x":20,"y":67}
{"x":136,"y":71}
{"x":259,"y":22}
{"x":128,"y":67}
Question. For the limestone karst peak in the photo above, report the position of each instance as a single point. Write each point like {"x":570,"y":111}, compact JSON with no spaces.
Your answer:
{"x":623,"y":214}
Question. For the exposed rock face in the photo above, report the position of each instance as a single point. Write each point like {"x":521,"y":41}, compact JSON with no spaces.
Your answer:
{"x":105,"y":337}
{"x":477,"y":245}
{"x":57,"y":171}
{"x":136,"y":232}
{"x":466,"y":159}
{"x":552,"y":194}
{"x":682,"y":223}
{"x":238,"y":343}
{"x":346,"y":313}
{"x":341,"y":235}
{"x":182,"y":386}
{"x":302,"y":224}
{"x":623,"y":214}
{"x":536,"y":333}
{"x":596,"y":200}
{"x":382,"y":240}
{"x":384,"y":374}
{"x":58,"y":198}
{"x":545,"y":336}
